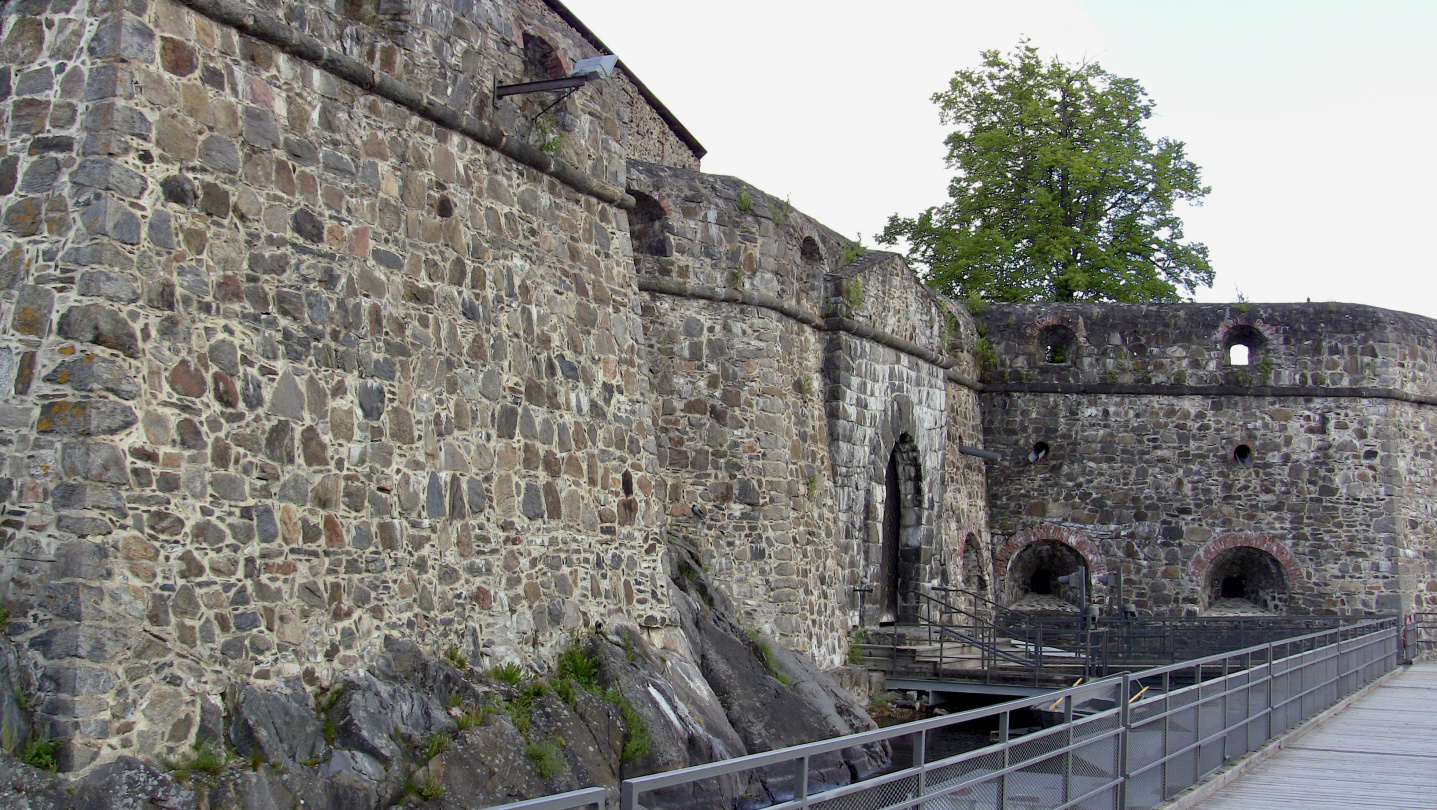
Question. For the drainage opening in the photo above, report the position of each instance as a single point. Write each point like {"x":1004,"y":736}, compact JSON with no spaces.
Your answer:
{"x":1242,"y":454}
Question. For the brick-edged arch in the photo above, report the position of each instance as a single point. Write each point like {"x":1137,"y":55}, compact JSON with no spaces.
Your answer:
{"x":1097,"y":565}
{"x":1222,"y":543}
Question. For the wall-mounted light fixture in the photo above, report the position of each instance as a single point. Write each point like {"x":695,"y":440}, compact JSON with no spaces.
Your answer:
{"x":585,"y":71}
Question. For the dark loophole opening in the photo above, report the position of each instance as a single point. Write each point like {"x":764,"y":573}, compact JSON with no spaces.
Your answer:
{"x":649,"y":226}
{"x":541,"y":61}
{"x":1233,"y":588}
{"x":809,"y":251}
{"x":1039,"y":452}
{"x":1242,"y":454}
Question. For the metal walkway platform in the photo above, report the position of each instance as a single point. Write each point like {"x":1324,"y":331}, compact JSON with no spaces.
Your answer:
{"x":1380,"y":752}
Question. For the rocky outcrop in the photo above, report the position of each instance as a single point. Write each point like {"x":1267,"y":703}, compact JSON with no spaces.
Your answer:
{"x":413,"y":729}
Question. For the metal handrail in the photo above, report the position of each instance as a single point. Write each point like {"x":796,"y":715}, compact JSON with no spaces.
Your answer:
{"x":1328,"y":665}
{"x":573,"y":800}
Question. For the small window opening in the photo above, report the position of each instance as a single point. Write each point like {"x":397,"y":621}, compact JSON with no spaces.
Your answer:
{"x":541,"y":61}
{"x":649,"y":226}
{"x":1242,"y":454}
{"x":1242,"y":344}
{"x":1039,"y":452}
{"x":1057,"y":344}
{"x":809,"y":251}
{"x":1232,"y":588}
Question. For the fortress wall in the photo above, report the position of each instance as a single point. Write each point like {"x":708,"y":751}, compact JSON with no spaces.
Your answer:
{"x":1150,"y":481}
{"x":1413,"y":448}
{"x":774,"y":430}
{"x":878,"y":395}
{"x":289,"y":369}
{"x":742,"y":441}
{"x":1143,"y":422}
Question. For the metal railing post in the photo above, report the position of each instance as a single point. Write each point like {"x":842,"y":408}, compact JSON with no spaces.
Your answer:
{"x":1125,"y":721}
{"x":628,"y":796}
{"x":803,"y":781}
{"x":1271,"y":679}
{"x":1167,"y":730}
{"x":1003,"y":731}
{"x":920,"y":760}
{"x":1226,"y":723}
{"x":1068,"y":750}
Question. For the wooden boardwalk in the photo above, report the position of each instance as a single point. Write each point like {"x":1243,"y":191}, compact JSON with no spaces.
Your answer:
{"x":1380,"y":752}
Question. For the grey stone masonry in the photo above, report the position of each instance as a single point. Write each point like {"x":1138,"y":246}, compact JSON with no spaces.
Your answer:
{"x":1167,"y":455}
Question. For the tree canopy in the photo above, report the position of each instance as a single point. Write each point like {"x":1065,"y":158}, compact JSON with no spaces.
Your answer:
{"x":1059,"y":193}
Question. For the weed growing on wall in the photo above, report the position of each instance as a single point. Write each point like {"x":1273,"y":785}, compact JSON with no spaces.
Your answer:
{"x":853,"y":294}
{"x":546,"y":136}
{"x":782,"y":211}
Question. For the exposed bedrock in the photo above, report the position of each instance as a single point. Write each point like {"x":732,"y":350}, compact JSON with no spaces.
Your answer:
{"x":412,"y":728}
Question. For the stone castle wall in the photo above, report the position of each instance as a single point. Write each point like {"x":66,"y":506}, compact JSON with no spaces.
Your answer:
{"x":307,"y":343}
{"x":292,"y":367}
{"x":1142,"y":419}
{"x":776,"y":420}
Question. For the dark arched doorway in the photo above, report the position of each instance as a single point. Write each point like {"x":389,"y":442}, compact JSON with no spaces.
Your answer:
{"x":900,"y":550}
{"x":1033,"y":585}
{"x":1243,"y":581}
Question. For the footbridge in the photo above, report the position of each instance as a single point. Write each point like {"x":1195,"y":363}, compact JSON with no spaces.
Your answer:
{"x":1129,"y":741}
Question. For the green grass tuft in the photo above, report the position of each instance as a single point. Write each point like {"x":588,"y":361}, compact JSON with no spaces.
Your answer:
{"x":579,"y":667}
{"x":636,"y":733}
{"x":43,"y":754}
{"x":438,"y":744}
{"x":470,"y":718}
{"x":546,"y":758}
{"x":508,"y":672}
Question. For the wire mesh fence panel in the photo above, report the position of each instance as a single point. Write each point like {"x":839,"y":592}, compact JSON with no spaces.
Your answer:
{"x":888,"y":794}
{"x":1236,"y":720}
{"x":1147,"y":743}
{"x":968,"y":783}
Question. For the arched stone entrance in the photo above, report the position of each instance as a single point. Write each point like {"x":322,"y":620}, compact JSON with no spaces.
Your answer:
{"x":1031,"y":562}
{"x":900,"y":548}
{"x":1033,"y":578}
{"x":1245,"y":574}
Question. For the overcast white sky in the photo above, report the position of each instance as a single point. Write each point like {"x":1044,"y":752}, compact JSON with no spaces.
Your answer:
{"x":1312,"y":120}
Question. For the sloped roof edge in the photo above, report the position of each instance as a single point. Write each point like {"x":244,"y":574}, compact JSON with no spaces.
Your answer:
{"x":669,"y":118}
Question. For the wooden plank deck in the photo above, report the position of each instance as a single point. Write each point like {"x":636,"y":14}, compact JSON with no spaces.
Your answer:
{"x":1380,"y":752}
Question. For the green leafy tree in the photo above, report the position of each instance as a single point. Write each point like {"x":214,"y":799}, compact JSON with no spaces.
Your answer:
{"x":1059,"y":194}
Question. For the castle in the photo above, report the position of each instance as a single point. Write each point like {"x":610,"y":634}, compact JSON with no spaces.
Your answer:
{"x":308,"y":339}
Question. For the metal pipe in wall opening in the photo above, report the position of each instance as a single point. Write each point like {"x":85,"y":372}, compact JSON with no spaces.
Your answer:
{"x":988,"y":455}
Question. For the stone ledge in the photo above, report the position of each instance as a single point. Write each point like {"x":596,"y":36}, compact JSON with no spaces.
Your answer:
{"x":682,"y":289}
